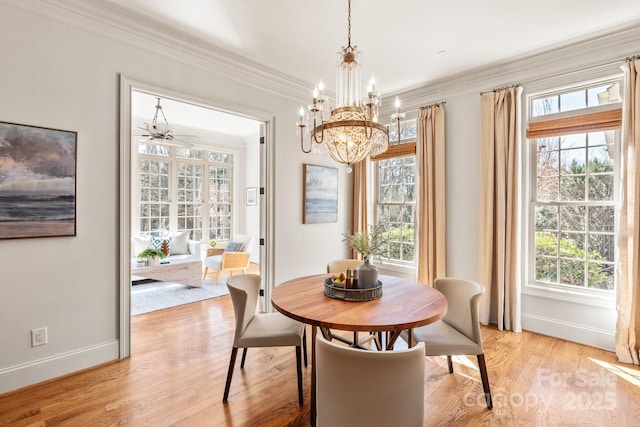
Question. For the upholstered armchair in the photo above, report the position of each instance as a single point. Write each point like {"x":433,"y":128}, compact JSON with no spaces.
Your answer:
{"x":234,"y":258}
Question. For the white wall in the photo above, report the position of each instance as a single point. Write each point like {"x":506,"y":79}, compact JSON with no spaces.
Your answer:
{"x":56,"y":75}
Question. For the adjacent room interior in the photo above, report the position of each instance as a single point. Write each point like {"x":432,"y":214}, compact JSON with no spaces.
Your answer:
{"x":191,"y":179}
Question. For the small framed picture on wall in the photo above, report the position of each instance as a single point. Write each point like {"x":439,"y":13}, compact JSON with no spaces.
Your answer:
{"x":252,"y":196}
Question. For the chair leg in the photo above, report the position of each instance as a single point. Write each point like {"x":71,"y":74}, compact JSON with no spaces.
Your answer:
{"x":204,"y":276}
{"x":450,"y":364}
{"x":304,"y":345}
{"x":218,"y":277}
{"x":244,"y":357}
{"x":299,"y":369}
{"x":377,"y":339}
{"x":485,"y":380}
{"x":232,"y":362}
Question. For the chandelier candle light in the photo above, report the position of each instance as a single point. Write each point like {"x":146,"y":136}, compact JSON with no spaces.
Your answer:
{"x":352,"y":131}
{"x":397,"y":117}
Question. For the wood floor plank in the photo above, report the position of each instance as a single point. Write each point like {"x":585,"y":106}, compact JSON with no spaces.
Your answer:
{"x":180,"y":356}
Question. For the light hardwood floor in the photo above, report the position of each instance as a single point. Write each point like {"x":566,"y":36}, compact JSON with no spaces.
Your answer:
{"x":177,"y":371}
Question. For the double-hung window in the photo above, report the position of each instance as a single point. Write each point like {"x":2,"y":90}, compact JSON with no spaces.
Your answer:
{"x":573,"y":138}
{"x":153,"y":179}
{"x":395,"y":196}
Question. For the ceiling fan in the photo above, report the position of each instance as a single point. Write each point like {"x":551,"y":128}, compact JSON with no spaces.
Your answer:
{"x":158,"y":131}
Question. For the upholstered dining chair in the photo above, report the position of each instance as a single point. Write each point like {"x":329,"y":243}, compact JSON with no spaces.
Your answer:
{"x":261,"y":329}
{"x":236,"y":257}
{"x":458,"y":333}
{"x":370,"y":388}
{"x":341,"y":265}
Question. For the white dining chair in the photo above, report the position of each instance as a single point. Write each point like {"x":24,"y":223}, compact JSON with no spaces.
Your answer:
{"x":369,"y":388}
{"x":261,"y":329}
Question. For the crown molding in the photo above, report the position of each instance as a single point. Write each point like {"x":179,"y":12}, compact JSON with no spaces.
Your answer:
{"x":604,"y":50}
{"x":122,"y":25}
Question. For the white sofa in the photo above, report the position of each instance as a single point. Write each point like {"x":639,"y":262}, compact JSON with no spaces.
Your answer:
{"x":180,"y":247}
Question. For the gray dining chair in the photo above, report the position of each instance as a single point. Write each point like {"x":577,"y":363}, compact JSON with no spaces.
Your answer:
{"x":458,"y":332}
{"x":261,"y":329}
{"x":358,"y":387}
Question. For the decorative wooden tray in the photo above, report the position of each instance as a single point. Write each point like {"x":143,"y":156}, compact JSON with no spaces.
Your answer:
{"x":339,"y":292}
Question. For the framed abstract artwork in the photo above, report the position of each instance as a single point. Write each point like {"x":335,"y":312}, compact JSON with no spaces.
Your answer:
{"x":320,"y":194}
{"x":37,"y":181}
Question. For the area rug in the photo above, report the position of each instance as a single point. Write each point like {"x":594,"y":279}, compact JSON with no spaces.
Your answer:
{"x":154,"y":296}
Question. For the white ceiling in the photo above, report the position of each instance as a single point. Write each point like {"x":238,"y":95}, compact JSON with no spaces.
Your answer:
{"x":405,"y":43}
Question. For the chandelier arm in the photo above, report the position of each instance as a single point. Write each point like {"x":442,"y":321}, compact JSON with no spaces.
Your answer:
{"x":315,"y":126}
{"x":302,"y":141}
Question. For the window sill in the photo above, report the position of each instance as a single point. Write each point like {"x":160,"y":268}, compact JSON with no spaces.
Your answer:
{"x":386,"y":267}
{"x":590,"y":297}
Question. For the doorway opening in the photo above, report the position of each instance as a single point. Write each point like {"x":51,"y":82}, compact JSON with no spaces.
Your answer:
{"x":192,"y":172}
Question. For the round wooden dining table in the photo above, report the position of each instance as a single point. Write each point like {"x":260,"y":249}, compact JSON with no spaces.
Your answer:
{"x":404,"y":305}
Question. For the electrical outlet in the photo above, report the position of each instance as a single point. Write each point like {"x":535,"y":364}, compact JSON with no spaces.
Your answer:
{"x":38,"y":337}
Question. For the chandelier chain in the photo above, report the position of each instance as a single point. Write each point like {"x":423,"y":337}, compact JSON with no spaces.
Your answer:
{"x":349,"y":25}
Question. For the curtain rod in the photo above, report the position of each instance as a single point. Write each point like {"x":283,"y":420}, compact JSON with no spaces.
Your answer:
{"x":499,"y":89}
{"x":436,"y":104}
{"x":628,"y":59}
{"x":424,"y":107}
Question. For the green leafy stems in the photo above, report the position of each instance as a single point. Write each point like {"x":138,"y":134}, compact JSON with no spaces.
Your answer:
{"x":150,"y":252}
{"x":367,"y":244}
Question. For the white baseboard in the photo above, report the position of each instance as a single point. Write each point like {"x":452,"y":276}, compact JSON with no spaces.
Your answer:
{"x":26,"y":374}
{"x":569,"y":331}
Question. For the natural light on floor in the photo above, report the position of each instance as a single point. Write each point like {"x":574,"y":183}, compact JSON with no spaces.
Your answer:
{"x":631,"y":375}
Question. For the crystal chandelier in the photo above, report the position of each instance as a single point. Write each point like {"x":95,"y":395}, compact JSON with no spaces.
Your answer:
{"x":352,"y":130}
